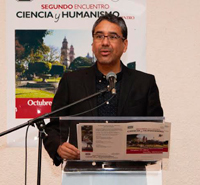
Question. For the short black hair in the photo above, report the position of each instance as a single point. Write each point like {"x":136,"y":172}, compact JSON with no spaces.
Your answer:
{"x":113,"y":19}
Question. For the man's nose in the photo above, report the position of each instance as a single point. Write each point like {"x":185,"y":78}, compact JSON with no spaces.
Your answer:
{"x":105,"y":41}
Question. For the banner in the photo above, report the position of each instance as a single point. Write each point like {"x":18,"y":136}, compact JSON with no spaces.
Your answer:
{"x":47,"y":38}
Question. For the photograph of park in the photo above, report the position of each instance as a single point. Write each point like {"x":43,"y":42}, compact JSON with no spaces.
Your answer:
{"x":41,"y":66}
{"x":41,"y":58}
{"x":143,"y":143}
{"x":87,"y":138}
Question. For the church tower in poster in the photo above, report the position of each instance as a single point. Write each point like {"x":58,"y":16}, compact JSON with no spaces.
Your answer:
{"x":71,"y":53}
{"x":67,"y":55}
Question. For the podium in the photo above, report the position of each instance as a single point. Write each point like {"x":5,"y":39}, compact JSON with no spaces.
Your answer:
{"x":126,"y":172}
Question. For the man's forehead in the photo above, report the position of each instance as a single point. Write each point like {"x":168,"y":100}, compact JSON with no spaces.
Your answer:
{"x":110,"y":32}
{"x":107,"y":27}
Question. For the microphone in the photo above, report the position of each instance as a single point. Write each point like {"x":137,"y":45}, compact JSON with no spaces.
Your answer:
{"x":112,"y":79}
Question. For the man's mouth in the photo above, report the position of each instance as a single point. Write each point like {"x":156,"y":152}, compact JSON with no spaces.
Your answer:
{"x":105,"y":52}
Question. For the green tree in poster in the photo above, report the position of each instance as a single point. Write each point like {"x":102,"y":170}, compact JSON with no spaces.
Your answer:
{"x":20,"y":68}
{"x":29,"y":48}
{"x":80,"y":62}
{"x":57,"y":70}
{"x":28,"y":42}
{"x":38,"y":56}
{"x":39,"y":68}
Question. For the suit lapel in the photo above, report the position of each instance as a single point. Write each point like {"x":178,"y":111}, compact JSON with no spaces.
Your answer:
{"x":90,"y":88}
{"x":125,"y":88}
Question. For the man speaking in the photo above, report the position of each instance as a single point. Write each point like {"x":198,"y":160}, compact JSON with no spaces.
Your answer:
{"x":136,"y":92}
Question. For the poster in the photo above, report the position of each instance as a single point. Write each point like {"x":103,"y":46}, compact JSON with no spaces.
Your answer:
{"x":46,"y":38}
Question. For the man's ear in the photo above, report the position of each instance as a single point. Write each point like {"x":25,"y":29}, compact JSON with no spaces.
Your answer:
{"x":92,"y":48}
{"x":125,"y":45}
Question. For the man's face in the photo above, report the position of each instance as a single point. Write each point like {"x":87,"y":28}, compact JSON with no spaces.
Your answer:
{"x":108,"y":51}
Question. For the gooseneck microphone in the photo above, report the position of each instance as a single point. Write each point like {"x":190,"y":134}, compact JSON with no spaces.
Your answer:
{"x":112,"y":79}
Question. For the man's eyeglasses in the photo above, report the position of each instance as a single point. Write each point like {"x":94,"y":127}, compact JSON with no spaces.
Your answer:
{"x":98,"y":37}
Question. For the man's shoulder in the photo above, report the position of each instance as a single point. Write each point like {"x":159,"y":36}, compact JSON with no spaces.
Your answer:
{"x":79,"y":73}
{"x":136,"y":74}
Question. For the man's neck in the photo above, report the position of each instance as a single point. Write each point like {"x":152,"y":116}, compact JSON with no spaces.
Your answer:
{"x":106,"y":68}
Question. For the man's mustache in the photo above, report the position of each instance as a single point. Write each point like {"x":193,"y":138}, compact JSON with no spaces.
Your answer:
{"x":105,"y":49}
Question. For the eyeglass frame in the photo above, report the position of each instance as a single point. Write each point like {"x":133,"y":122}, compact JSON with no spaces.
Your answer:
{"x":104,"y":36}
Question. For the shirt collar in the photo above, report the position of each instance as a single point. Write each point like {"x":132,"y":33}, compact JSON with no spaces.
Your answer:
{"x":100,"y":76}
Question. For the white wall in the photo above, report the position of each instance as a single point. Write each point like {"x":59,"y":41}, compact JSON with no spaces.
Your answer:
{"x":173,"y":56}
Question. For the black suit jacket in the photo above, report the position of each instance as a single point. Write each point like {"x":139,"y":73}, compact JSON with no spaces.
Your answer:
{"x":139,"y":96}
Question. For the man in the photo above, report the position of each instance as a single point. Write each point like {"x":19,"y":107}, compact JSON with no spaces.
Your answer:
{"x":137,"y":92}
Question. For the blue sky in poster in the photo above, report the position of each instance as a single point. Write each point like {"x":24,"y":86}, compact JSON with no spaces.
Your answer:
{"x":80,"y":39}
